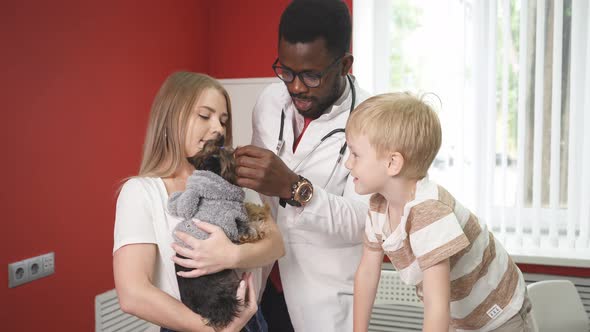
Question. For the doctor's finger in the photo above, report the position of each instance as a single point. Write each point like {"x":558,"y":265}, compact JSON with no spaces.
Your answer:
{"x":251,"y":162}
{"x":252,"y":151}
{"x":249,"y":173}
{"x":250,"y":184}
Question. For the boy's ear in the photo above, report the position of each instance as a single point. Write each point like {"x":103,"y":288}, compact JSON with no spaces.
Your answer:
{"x":395,"y":163}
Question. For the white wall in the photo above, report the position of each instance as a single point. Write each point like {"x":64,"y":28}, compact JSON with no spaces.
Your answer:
{"x":243,"y":93}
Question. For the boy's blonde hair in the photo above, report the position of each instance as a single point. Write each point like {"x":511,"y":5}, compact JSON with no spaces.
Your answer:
{"x":399,"y":122}
{"x":164,"y":149}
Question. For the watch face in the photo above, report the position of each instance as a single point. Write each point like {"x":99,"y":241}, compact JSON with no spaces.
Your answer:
{"x":305,"y":192}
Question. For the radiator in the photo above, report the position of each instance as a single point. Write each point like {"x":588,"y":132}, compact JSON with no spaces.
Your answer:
{"x":110,"y":318}
{"x":384,"y":317}
{"x":408,"y":317}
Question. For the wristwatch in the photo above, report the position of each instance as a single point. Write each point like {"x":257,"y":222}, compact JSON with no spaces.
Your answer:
{"x":301,"y":193}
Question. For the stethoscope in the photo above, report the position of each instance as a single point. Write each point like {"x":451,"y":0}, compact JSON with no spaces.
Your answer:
{"x":281,"y":141}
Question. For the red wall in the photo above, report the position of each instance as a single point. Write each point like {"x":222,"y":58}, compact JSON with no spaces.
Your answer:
{"x":76,"y":86}
{"x":243,"y":36}
{"x":77,"y":81}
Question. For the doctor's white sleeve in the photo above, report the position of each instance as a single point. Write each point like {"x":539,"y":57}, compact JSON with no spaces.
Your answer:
{"x":341,"y":218}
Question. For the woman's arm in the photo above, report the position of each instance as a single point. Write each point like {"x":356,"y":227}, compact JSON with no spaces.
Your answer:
{"x":218,"y":253}
{"x":366,"y":281}
{"x":133,"y":267}
{"x":437,"y":297}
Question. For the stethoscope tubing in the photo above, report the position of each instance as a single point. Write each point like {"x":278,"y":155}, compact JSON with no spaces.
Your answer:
{"x":281,"y":142}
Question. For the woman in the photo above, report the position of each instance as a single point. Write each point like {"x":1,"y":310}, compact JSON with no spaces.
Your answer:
{"x":189,"y":110}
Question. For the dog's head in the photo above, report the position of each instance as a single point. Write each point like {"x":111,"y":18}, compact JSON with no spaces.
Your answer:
{"x":216,"y":158}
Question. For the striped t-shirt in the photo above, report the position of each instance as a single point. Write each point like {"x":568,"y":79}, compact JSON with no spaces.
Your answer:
{"x":487,"y":288}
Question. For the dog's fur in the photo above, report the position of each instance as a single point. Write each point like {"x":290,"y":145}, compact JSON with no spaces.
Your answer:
{"x":213,"y":296}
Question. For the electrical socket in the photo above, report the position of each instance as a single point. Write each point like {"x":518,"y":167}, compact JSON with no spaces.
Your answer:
{"x":17,"y":274}
{"x":31,"y":269}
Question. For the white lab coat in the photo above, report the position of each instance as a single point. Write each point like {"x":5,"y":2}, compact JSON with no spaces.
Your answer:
{"x":323,"y":240}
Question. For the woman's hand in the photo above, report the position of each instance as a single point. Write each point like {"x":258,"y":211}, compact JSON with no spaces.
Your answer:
{"x":249,"y":308}
{"x":214,"y":254}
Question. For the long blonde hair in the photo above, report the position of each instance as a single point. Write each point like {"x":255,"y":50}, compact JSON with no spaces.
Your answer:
{"x":163,"y":149}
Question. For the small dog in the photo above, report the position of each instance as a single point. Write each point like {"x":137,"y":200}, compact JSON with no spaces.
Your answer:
{"x":211,"y":195}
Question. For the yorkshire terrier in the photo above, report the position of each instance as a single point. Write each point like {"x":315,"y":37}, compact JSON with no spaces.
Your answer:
{"x":212,"y":195}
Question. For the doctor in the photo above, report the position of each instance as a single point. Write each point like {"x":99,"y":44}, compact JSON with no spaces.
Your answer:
{"x":296,"y":163}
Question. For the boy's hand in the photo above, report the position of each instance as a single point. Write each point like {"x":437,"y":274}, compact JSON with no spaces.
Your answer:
{"x":263,"y":171}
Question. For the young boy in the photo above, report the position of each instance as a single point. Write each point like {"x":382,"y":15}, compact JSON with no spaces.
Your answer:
{"x":463,"y":275}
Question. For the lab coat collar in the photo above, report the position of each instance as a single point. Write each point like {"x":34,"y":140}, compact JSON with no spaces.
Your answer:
{"x":341,"y":104}
{"x":293,"y":118}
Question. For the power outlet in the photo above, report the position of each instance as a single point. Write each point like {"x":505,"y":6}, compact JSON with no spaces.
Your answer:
{"x":17,"y":274}
{"x":30,"y":269}
{"x":34,"y":267}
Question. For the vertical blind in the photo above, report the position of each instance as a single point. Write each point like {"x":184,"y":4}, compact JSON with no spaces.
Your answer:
{"x":514,"y":80}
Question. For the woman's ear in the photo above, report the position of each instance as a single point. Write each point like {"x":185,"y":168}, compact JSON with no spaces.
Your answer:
{"x":395,"y":163}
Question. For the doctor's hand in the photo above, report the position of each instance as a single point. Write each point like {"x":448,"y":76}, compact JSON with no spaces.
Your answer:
{"x":263,"y":171}
{"x":211,"y":255}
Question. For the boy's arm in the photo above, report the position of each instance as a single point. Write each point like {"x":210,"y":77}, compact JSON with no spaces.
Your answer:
{"x":366,"y":281}
{"x":435,"y":236}
{"x":437,"y":296}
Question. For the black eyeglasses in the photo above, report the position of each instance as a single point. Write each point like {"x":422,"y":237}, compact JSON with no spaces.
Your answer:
{"x":311,"y":78}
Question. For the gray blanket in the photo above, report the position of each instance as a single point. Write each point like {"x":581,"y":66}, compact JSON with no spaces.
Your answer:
{"x":208,"y":197}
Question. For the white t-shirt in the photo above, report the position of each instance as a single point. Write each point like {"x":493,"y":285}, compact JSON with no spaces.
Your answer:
{"x":142,"y":217}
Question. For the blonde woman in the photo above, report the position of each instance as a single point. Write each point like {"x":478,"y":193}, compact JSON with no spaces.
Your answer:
{"x":188,"y":110}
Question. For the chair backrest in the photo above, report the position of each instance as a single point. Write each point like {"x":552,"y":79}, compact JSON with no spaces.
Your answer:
{"x":392,"y":290}
{"x":557,"y":306}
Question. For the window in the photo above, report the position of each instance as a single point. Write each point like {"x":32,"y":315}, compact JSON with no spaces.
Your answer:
{"x":513,"y":78}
